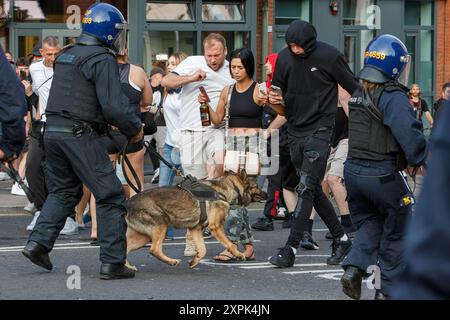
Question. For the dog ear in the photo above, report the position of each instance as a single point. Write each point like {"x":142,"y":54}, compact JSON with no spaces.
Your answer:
{"x":243,"y":175}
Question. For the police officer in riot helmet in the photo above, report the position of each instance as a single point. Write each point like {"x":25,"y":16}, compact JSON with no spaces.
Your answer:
{"x":384,"y":138}
{"x":85,"y":98}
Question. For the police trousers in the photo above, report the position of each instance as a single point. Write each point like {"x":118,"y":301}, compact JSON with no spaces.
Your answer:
{"x":309,"y":155}
{"x":70,"y":162}
{"x":34,"y":172}
{"x":375,"y":202}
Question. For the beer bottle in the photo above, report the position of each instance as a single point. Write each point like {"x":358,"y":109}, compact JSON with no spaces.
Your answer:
{"x":204,"y":114}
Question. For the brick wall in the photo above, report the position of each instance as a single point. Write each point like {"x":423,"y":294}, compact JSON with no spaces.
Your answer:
{"x":260,"y":33}
{"x":442,"y":45}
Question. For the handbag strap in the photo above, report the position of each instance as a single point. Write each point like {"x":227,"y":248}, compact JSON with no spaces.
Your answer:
{"x":227,"y":116}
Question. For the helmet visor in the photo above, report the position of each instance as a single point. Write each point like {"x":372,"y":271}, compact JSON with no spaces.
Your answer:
{"x":120,"y":42}
{"x":404,"y":76}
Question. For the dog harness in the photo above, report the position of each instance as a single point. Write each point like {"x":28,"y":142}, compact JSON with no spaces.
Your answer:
{"x":200,"y":192}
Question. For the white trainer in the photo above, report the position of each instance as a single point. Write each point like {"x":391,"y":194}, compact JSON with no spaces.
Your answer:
{"x":29,"y":207}
{"x":4,"y":176}
{"x":190,"y":249}
{"x":17,"y":190}
{"x":70,"y":228}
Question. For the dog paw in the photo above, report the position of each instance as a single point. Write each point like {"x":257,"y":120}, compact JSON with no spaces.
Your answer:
{"x":175,"y":262}
{"x":131,"y":267}
{"x":193,"y":263}
{"x":241,"y":256}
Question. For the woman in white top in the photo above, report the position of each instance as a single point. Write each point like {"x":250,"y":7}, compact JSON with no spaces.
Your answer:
{"x":171,"y":105}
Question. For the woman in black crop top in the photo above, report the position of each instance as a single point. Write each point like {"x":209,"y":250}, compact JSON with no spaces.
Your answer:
{"x":245,"y":120}
{"x":245,"y":103}
{"x":136,"y":87}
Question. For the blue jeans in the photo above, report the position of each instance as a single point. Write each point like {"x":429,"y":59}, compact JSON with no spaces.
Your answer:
{"x":166,"y":174}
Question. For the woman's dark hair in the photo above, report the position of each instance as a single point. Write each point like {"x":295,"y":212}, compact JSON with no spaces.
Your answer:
{"x":247,"y":59}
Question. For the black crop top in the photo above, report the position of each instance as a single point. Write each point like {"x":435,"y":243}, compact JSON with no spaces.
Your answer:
{"x":133,"y":95}
{"x":244,"y":112}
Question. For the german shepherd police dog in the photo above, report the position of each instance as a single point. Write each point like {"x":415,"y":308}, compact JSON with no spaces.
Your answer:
{"x":150,"y":213}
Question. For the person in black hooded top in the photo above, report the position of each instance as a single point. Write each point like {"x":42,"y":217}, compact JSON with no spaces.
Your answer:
{"x":308,"y":73}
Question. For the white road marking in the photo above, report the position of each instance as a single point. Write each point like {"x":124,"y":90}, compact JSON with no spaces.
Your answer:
{"x":313,"y":271}
{"x":331,"y":276}
{"x":302,"y":265}
{"x":87,"y":245}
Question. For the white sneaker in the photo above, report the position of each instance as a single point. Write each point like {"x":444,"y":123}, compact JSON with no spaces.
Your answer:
{"x":281,"y":213}
{"x":4,"y":176}
{"x":30,"y":227}
{"x":29,"y":207}
{"x":70,"y":228}
{"x":17,"y":190}
{"x":190,"y":249}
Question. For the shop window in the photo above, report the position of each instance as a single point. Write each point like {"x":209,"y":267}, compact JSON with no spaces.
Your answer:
{"x":287,"y":11}
{"x":122,"y":5}
{"x":223,"y":11}
{"x":358,"y":12}
{"x":170,"y":11}
{"x":419,"y":13}
{"x":234,"y":39}
{"x":426,"y":60}
{"x":26,"y":45}
{"x":4,"y":8}
{"x":40,"y":11}
{"x":158,"y":44}
{"x":350,"y":51}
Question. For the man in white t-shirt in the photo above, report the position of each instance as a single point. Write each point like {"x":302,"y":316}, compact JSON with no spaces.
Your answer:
{"x":200,"y":147}
{"x":41,"y":75}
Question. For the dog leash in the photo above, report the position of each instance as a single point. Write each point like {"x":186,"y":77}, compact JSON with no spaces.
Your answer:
{"x":149,"y":148}
{"x":16,"y":177}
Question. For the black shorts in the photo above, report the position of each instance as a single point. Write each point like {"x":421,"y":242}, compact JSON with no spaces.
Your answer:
{"x":289,"y":178}
{"x":115,"y":141}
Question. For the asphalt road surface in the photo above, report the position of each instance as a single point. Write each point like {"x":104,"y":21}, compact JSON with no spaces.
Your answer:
{"x":310,"y":278}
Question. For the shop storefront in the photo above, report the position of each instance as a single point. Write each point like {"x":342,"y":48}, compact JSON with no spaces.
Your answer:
{"x":349,"y":25}
{"x":157,"y":28}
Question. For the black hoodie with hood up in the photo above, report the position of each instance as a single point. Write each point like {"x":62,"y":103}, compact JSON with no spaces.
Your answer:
{"x":309,"y":81}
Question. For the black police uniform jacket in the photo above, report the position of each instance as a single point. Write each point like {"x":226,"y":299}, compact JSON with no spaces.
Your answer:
{"x":382,"y":127}
{"x":86,"y":88}
{"x":13,"y":108}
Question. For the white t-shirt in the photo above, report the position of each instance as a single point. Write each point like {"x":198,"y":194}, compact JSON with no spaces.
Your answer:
{"x":172,"y":105}
{"x":42,"y":77}
{"x":214,"y":82}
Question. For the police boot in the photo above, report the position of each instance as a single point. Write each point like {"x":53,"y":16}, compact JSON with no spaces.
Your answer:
{"x":351,"y":282}
{"x":111,"y":271}
{"x":37,"y":254}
